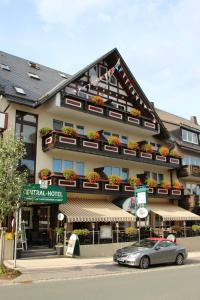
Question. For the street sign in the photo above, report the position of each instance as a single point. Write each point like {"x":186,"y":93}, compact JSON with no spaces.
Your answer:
{"x":51,"y":194}
{"x":43,"y":184}
{"x":141,"y":195}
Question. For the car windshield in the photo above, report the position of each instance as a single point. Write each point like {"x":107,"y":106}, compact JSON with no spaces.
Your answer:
{"x":145,"y":243}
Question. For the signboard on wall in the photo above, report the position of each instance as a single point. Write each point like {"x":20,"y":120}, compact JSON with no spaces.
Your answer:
{"x":51,"y":194}
{"x":3,"y":121}
{"x":105,"y":232}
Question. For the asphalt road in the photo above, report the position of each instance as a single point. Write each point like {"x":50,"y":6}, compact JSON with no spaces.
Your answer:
{"x":158,"y":283}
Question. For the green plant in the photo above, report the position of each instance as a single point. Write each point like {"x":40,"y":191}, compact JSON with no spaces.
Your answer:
{"x":195,"y":227}
{"x":150,"y":182}
{"x":45,"y":130}
{"x":80,"y":232}
{"x":9,"y":236}
{"x":177,"y":185}
{"x":165,"y":185}
{"x":93,"y":177}
{"x":114,"y":179}
{"x":44,"y":173}
{"x":132,"y":145}
{"x":130,"y":231}
{"x":134,"y":181}
{"x":114,"y":141}
{"x":164,"y":151}
{"x":69,"y":174}
{"x":93,"y":135}
{"x":176,"y":228}
{"x":69,"y":131}
{"x":135,"y":112}
{"x":148,"y":148}
{"x":59,"y":233}
{"x":174,"y":153}
{"x":97,"y":100}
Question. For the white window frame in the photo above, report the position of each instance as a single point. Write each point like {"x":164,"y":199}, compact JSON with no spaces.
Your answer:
{"x":5,"y":67}
{"x":100,"y":67}
{"x":19,"y":90}
{"x":193,"y":134}
{"x":32,"y":75}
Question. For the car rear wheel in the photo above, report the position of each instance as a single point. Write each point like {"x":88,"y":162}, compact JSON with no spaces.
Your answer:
{"x":179,"y":260}
{"x":144,"y":262}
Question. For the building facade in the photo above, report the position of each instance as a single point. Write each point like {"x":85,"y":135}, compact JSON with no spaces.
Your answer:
{"x":96,"y":135}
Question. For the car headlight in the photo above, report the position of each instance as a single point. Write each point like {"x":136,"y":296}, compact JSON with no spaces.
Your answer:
{"x":132,"y":256}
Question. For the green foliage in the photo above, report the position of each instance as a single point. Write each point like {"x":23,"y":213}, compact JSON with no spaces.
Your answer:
{"x":12,"y":179}
{"x":130,"y":231}
{"x":196,"y":227}
{"x":44,"y":173}
{"x":59,"y":233}
{"x":93,"y":177}
{"x":176,"y":228}
{"x":45,"y":131}
{"x":83,"y":232}
{"x":69,"y":131}
{"x":69,"y":174}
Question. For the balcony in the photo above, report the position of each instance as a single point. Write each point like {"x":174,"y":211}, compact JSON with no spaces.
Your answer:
{"x":111,"y":113}
{"x":81,"y":185}
{"x":58,"y":140}
{"x":190,"y":172}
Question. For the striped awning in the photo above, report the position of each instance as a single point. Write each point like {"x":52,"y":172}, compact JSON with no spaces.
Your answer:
{"x":170,"y":212}
{"x":79,"y":210}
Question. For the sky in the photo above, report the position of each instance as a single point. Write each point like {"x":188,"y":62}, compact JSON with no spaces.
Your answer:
{"x":158,"y":39}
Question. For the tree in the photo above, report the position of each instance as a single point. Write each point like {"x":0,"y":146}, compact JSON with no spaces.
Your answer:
{"x":12,"y":179}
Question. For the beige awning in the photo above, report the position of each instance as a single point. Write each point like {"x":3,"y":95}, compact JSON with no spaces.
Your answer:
{"x":170,"y":212}
{"x":79,"y":210}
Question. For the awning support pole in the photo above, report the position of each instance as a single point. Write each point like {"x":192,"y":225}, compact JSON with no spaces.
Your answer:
{"x":117,"y":227}
{"x":93,"y":227}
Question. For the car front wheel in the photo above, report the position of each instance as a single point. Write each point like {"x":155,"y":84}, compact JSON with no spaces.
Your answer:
{"x":179,"y":260}
{"x":144,"y":262}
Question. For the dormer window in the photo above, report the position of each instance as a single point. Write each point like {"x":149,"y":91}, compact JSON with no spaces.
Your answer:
{"x":19,"y":90}
{"x":33,"y":65}
{"x":113,"y":80}
{"x":5,"y":67}
{"x":190,"y":137}
{"x":102,"y":71}
{"x":35,"y":76}
{"x":63,"y":75}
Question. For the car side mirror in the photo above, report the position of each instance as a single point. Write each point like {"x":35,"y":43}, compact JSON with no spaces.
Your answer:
{"x":157,"y":248}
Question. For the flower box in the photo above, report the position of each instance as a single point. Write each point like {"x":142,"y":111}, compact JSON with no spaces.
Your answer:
{"x":162,"y":191}
{"x":145,"y":155}
{"x":134,"y":120}
{"x":115,"y":115}
{"x":149,"y":125}
{"x":90,"y":185}
{"x":129,"y":152}
{"x":111,"y":148}
{"x":96,"y":109}
{"x":67,"y":140}
{"x":128,"y":188}
{"x":173,"y":160}
{"x":49,"y":140}
{"x":73,"y":103}
{"x":111,"y":187}
{"x":160,"y":158}
{"x":176,"y":192}
{"x":93,"y":145}
{"x":64,"y":182}
{"x":151,"y":190}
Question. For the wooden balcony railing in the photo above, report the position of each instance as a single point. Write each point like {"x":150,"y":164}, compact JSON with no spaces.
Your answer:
{"x":189,"y":170}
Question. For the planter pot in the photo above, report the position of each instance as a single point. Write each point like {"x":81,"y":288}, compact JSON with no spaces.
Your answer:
{"x":128,"y":188}
{"x":162,"y":191}
{"x":134,"y":120}
{"x":91,"y":185}
{"x":64,"y":182}
{"x":151,"y":190}
{"x":176,"y":192}
{"x":160,"y":157}
{"x":67,"y":140}
{"x":111,"y":148}
{"x":111,"y":187}
{"x":129,"y":152}
{"x":59,"y":249}
{"x":96,"y":109}
{"x":90,"y":144}
{"x":145,"y":155}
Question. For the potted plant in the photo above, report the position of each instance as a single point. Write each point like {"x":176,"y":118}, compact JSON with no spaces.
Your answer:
{"x":69,"y":131}
{"x":175,"y":153}
{"x":82,"y":234}
{"x":150,"y":182}
{"x":165,"y":185}
{"x":69,"y":174}
{"x":135,"y":112}
{"x":163,"y":151}
{"x":44,"y":174}
{"x":132,"y":145}
{"x":97,"y":100}
{"x":177,"y":185}
{"x":147,"y":148}
{"x":44,"y":131}
{"x":93,"y":177}
{"x":114,"y":180}
{"x":114,"y":141}
{"x":134,"y":181}
{"x":59,"y":240}
{"x":93,"y":135}
{"x":130,"y":231}
{"x":176,"y":229}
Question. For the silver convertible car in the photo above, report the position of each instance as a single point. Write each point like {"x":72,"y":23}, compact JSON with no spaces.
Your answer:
{"x":151,"y":251}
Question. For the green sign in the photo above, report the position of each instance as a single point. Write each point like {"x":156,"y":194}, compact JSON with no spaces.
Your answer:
{"x":140,"y":194}
{"x":49,"y":194}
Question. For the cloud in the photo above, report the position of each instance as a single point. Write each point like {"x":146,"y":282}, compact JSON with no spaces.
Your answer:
{"x":67,"y":12}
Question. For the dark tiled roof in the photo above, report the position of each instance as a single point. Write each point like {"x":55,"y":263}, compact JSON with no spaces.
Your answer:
{"x":18,"y":76}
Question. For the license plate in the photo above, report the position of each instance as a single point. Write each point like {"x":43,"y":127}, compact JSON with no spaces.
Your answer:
{"x":121,"y":259}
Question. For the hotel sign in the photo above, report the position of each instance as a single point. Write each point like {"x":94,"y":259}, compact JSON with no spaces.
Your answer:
{"x":51,"y":194}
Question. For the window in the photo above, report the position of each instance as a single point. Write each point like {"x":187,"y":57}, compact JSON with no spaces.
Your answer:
{"x":106,"y":134}
{"x":80,"y":129}
{"x":80,"y":168}
{"x":189,"y":136}
{"x":108,"y":170}
{"x":63,"y":75}
{"x":5,"y":67}
{"x":116,"y":171}
{"x":68,"y":164}
{"x":83,"y":95}
{"x":69,"y":124}
{"x":191,"y":160}
{"x":57,"y":125}
{"x":57,"y":165}
{"x":119,"y":106}
{"x":29,"y":165}
{"x":166,"y":244}
{"x":156,"y":176}
{"x":102,"y":70}
{"x":124,"y":139}
{"x":19,"y":90}
{"x":122,"y":172}
{"x":33,"y":65}
{"x":113,"y":80}
{"x":35,"y":76}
